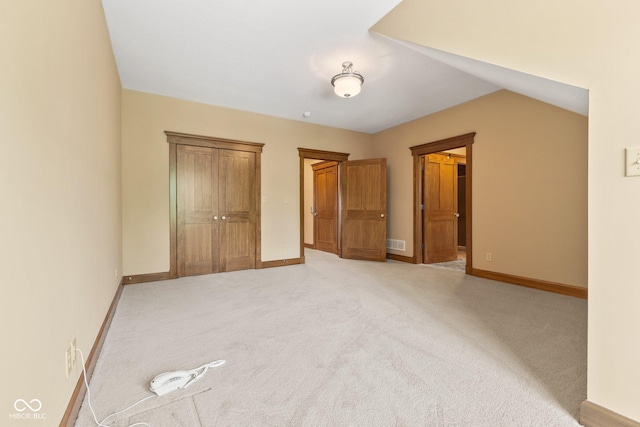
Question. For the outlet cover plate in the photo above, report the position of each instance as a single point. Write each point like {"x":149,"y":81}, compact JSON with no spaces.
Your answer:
{"x":67,"y":357}
{"x":73,"y":353}
{"x":632,"y":161}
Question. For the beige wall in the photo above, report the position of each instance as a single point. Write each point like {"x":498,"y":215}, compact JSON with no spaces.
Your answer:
{"x":146,"y":171}
{"x":586,"y":44}
{"x":529,"y":183}
{"x":60,"y":173}
{"x":61,"y":168}
{"x":536,"y":132}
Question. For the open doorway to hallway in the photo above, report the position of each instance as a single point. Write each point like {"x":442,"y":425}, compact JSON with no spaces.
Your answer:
{"x":321,"y":205}
{"x":308,"y":204}
{"x":445,"y":212}
{"x":442,"y":189}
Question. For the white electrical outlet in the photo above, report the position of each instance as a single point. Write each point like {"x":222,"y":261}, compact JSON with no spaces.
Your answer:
{"x":73,"y":353}
{"x":489,"y":257}
{"x":632,"y":162}
{"x":116,"y":273}
{"x":70,"y":358}
{"x":68,"y":365}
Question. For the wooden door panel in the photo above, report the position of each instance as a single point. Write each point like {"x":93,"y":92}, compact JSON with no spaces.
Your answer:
{"x":326,"y":235}
{"x":237,"y":179}
{"x":320,"y":190}
{"x":364,"y":185}
{"x":360,"y":243}
{"x":239,"y":246}
{"x":198,"y":253}
{"x":325,"y":191}
{"x":440,"y":233}
{"x":237,"y":173}
{"x":364,"y":226}
{"x":197,"y":195}
{"x":448,"y":199}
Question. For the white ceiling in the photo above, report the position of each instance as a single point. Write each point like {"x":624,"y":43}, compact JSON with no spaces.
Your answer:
{"x":278,"y":57}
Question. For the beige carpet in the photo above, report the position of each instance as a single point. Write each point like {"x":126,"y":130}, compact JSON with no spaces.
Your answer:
{"x":345,"y":343}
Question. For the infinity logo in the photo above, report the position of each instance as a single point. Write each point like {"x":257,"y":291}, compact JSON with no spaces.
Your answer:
{"x":21,"y":405}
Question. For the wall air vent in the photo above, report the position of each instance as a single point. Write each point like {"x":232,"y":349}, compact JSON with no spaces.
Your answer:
{"x":398,"y":245}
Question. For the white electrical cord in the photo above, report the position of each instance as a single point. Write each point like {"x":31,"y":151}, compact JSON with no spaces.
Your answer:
{"x":95,"y":418}
{"x":126,"y":409}
{"x":197,"y":376}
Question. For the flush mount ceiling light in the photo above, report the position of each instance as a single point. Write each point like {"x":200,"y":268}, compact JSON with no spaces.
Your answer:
{"x":347,"y":84}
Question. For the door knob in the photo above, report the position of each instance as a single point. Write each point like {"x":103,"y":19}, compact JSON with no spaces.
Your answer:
{"x":381,"y":215}
{"x":457,"y":215}
{"x":215,"y":217}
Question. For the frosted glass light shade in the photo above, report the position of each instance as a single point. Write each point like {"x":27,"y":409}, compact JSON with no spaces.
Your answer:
{"x":347,"y":86}
{"x":348,"y":83}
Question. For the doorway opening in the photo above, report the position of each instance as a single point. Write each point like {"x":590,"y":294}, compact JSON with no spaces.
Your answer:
{"x":323,"y":210}
{"x":443,"y":207}
{"x":361,"y":206}
{"x":309,"y":157}
{"x":442,"y":202}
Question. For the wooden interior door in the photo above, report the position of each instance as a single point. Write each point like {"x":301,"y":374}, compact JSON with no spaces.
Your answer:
{"x":325,"y":206}
{"x":364,"y":209}
{"x":440,"y":201}
{"x":237,"y":210}
{"x":461,"y":168}
{"x":197,"y":205}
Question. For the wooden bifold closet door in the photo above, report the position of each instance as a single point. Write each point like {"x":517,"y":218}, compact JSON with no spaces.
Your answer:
{"x":216,"y":210}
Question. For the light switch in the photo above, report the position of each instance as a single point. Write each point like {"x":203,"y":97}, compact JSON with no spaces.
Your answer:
{"x":633,"y":161}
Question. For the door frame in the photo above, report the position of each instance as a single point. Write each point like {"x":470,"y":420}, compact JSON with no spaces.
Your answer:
{"x":176,"y":138}
{"x":310,"y":153}
{"x":417,"y":151}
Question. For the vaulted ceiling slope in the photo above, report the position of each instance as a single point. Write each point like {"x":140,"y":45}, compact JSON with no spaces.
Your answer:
{"x":561,"y":95}
{"x":277,"y":58}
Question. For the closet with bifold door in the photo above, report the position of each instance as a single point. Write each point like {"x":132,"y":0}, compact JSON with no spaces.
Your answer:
{"x":215,"y":204}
